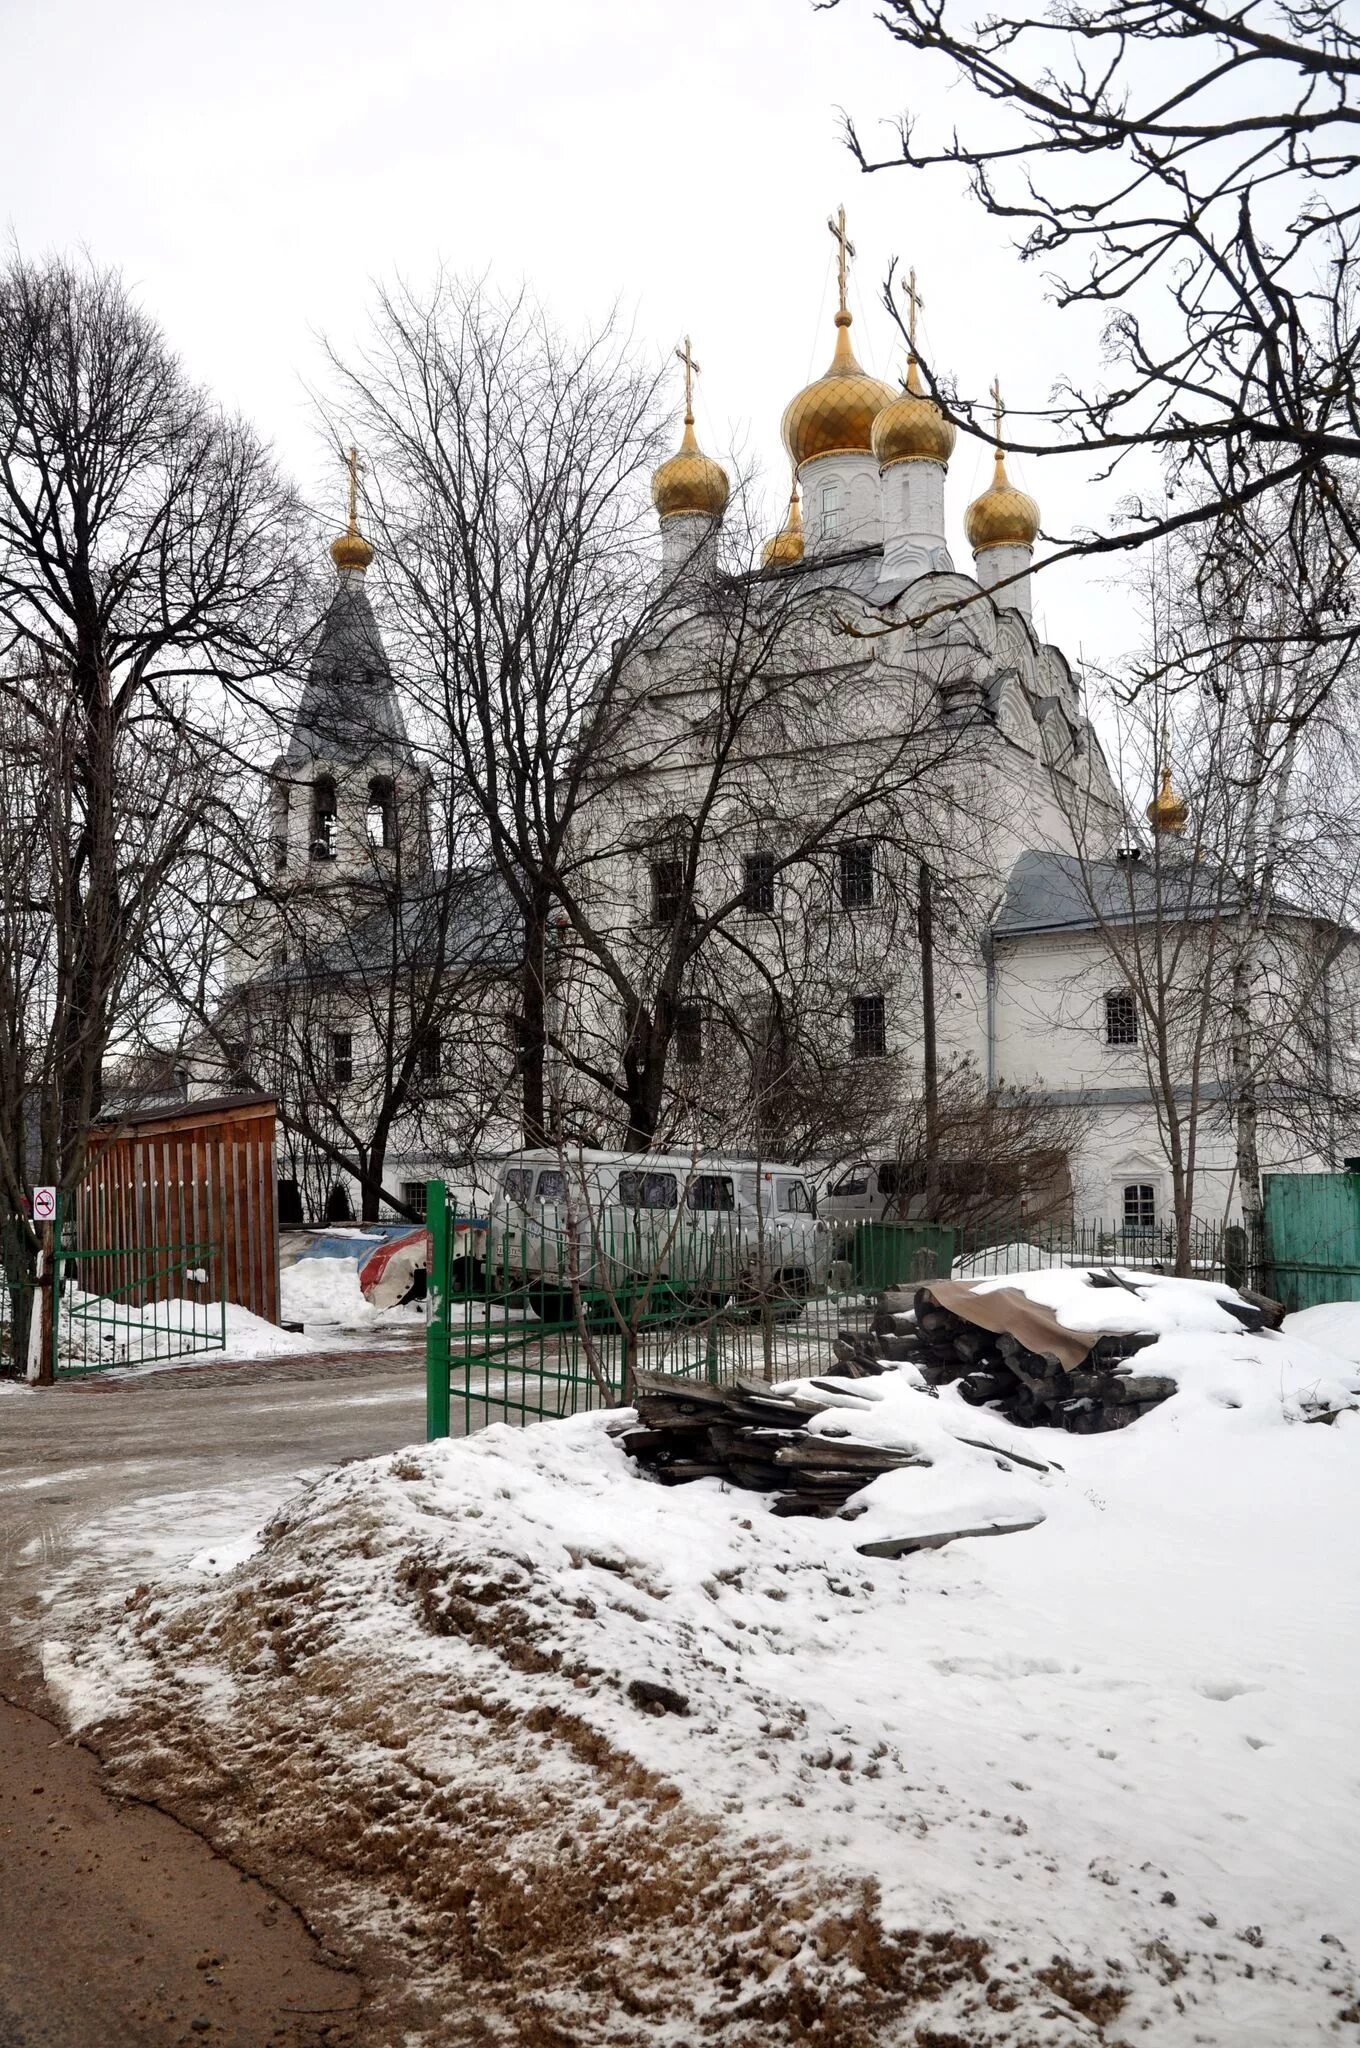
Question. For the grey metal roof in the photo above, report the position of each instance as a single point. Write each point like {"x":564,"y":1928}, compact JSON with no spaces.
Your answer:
{"x":349,"y":710}
{"x":483,"y":929}
{"x":1048,"y":892}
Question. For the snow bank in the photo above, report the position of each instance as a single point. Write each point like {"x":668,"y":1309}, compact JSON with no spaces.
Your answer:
{"x":670,"y":1767}
{"x":327,"y":1292}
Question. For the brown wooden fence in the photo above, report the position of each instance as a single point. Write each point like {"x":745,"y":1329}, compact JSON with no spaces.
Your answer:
{"x":189,"y":1186}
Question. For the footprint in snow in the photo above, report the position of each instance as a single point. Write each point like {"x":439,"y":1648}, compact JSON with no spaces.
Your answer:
{"x":1225,"y":1688}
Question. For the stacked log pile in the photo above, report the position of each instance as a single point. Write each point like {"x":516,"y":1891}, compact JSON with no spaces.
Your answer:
{"x":754,"y":1438}
{"x":1031,"y":1387}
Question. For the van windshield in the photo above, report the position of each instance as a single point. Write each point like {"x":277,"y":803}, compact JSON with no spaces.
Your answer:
{"x":519,"y":1182}
{"x":552,"y":1186}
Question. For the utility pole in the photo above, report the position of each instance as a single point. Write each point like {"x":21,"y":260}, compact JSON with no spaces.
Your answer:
{"x":925,"y":931}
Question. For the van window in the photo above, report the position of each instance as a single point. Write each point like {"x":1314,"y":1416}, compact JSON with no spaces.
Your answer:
{"x":793,"y":1198}
{"x":893,"y":1179}
{"x":711,"y":1191}
{"x":519,"y":1183}
{"x":647,"y":1190}
{"x":552,"y":1186}
{"x":856,"y":1182}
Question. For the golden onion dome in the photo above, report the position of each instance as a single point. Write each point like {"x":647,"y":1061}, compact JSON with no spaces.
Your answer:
{"x":912,"y":428}
{"x":787,"y":545}
{"x":690,"y":481}
{"x":1003,"y":516}
{"x":350,"y":550}
{"x":1168,"y":810}
{"x":835,"y":416}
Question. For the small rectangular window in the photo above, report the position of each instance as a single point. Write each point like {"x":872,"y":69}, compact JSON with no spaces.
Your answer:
{"x":342,"y":1058}
{"x":757,"y":895}
{"x":668,"y":890}
{"x":647,"y":1190}
{"x":868,"y":1028}
{"x":552,"y":1186}
{"x":711,"y":1191}
{"x":857,"y":874}
{"x":831,"y":510}
{"x":1121,"y":1017}
{"x":430,"y":1056}
{"x":518,"y":1183}
{"x":1140,"y":1205}
{"x":413,"y":1195}
{"x":689,"y":1035}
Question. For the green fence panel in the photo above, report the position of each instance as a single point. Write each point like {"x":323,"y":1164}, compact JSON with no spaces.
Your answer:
{"x":902,"y":1254}
{"x":1312,"y":1237}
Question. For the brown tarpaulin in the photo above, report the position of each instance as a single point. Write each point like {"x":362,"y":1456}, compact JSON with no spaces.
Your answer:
{"x":1007,"y":1309}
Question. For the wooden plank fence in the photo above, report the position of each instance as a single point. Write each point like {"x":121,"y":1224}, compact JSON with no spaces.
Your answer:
{"x":198,"y":1174}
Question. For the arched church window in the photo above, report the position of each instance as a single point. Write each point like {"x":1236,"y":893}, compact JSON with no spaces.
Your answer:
{"x":380,"y":818}
{"x":831,"y":509}
{"x":278,"y":805}
{"x":324,"y":821}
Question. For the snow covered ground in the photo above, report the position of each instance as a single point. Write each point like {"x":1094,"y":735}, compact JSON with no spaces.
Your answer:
{"x":623,"y":1764}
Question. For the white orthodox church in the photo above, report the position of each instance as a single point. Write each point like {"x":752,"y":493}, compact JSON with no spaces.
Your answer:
{"x":1029,"y":990}
{"x":1036,"y":993}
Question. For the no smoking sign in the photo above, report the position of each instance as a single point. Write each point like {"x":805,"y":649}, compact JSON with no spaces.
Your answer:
{"x":44,"y":1205}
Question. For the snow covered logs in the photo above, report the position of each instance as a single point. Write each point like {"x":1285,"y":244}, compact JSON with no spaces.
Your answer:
{"x":1037,"y":1371}
{"x":754,"y":1438}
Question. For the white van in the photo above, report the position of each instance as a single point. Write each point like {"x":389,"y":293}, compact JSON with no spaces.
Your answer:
{"x":709,"y":1227}
{"x":870,"y":1190}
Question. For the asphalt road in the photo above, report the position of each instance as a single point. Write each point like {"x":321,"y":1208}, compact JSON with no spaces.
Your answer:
{"x":118,"y":1925}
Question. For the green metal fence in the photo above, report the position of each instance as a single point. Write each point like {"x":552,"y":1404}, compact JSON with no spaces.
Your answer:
{"x":1312,"y":1237}
{"x":124,"y":1306}
{"x":532,"y":1319}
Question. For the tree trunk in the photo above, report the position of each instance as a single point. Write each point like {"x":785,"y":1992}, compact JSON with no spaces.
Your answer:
{"x":533,"y":1032}
{"x":1244,"y":1091}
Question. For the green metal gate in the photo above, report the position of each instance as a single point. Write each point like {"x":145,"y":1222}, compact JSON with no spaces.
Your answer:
{"x":508,"y":1345}
{"x":1312,"y":1237}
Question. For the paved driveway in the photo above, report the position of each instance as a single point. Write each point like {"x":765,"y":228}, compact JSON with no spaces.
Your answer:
{"x":103,"y":1478}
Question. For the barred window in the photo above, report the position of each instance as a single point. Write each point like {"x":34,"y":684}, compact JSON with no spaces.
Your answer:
{"x":857,"y":874}
{"x":1140,"y":1205}
{"x":342,"y":1058}
{"x":868,"y":1028}
{"x":1121,"y":1017}
{"x":757,"y":894}
{"x":431,"y":1057}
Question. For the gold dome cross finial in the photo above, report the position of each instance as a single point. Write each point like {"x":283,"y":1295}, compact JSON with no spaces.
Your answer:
{"x":998,"y":411}
{"x":351,"y":550}
{"x":845,"y":253}
{"x":686,"y":356}
{"x":915,"y":304}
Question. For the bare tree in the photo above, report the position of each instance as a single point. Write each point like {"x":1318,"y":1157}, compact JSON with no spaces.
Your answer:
{"x":632,"y":738}
{"x":1188,"y":171}
{"x":148,"y":566}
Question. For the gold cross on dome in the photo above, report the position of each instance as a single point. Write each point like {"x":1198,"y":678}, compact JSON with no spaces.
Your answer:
{"x":352,"y":464}
{"x":845,"y":253}
{"x":686,"y":356}
{"x":915,"y":303}
{"x":997,"y":410}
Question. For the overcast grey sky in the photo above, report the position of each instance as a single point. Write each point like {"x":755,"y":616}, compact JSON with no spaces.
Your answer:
{"x":251,"y":168}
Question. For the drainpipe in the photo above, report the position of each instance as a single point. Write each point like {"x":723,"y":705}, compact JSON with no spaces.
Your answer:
{"x":989,"y":958}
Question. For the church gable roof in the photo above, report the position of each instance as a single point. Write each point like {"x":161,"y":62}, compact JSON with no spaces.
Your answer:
{"x":349,"y":713}
{"x":1049,"y":892}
